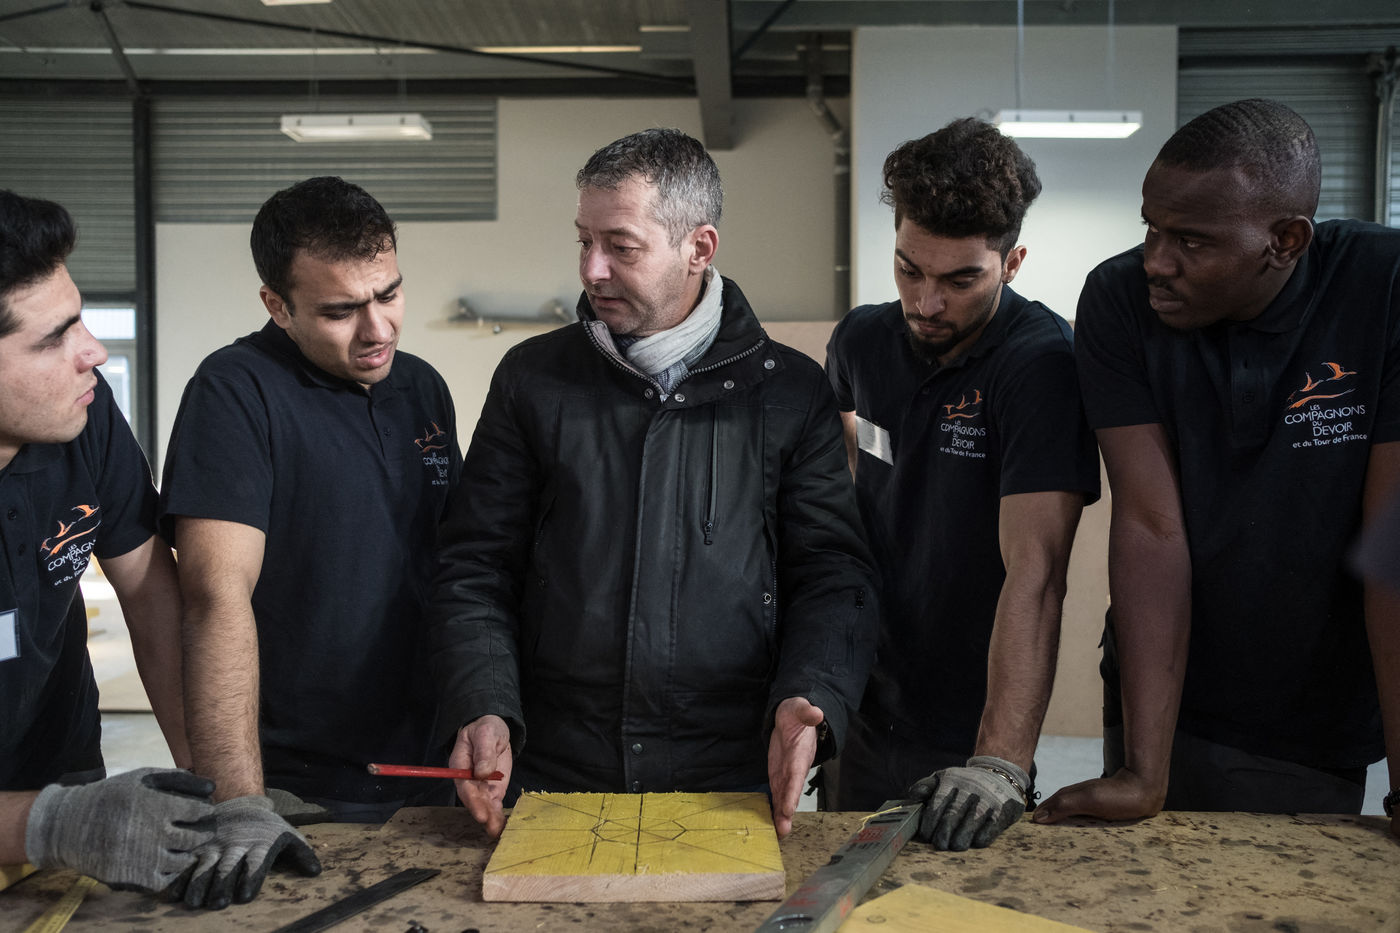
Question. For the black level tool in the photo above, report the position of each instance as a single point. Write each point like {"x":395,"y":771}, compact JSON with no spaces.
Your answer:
{"x":833,"y":891}
{"x":348,"y":907}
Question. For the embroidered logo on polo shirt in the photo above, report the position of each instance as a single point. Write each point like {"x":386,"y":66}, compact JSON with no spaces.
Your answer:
{"x":434,"y":439}
{"x":964,"y":434}
{"x":1317,"y":411}
{"x":65,"y":553}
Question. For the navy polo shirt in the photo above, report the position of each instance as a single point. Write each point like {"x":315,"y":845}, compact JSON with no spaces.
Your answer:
{"x":1272,"y":422}
{"x":60,"y":505}
{"x":1004,"y":418}
{"x":348,"y":486}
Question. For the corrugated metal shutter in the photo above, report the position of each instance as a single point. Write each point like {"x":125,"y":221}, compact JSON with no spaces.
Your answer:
{"x":1337,"y":100}
{"x":218,"y":158}
{"x":77,"y":151}
{"x":1394,"y":220}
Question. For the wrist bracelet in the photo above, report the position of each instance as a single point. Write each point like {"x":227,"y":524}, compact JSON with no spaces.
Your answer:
{"x":1011,"y":779}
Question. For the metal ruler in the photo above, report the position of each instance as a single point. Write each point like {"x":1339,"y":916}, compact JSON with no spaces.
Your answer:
{"x":56,"y":917}
{"x":348,"y":907}
{"x":833,"y":891}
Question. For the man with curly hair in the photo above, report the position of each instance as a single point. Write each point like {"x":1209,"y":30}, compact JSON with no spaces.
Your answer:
{"x":972,"y":462}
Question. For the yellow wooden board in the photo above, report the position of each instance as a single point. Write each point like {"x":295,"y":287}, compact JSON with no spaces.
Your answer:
{"x":914,"y":908}
{"x":637,"y":847}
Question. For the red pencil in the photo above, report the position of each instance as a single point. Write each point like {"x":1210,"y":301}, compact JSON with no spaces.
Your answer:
{"x":460,"y":774}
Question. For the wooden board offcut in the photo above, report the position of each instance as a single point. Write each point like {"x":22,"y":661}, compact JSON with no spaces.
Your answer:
{"x":637,"y":847}
{"x":914,"y":908}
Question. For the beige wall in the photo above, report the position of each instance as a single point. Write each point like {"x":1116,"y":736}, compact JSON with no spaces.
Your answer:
{"x":776,"y":240}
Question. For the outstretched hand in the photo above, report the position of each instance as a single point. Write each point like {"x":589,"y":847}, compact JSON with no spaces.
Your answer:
{"x":791,"y":751}
{"x":1124,"y":796}
{"x":483,"y":745}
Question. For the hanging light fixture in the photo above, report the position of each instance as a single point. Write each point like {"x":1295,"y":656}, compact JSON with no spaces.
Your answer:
{"x":1066,"y":124}
{"x":353,"y":127}
{"x":1070,"y":124}
{"x":350,"y":127}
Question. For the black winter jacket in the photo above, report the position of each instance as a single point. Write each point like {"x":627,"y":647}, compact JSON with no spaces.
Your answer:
{"x":637,"y":583}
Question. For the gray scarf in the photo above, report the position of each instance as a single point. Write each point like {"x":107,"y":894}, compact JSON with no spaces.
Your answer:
{"x":667,"y":356}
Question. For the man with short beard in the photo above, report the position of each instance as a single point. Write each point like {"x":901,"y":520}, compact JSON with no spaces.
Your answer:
{"x":972,"y":462}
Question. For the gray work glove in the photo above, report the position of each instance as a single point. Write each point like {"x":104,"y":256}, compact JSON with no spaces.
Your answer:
{"x":295,"y":810}
{"x":249,"y":840}
{"x":136,"y":831}
{"x":970,"y":806}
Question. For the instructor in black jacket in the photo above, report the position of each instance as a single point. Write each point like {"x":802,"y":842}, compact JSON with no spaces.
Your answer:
{"x":654,"y":566}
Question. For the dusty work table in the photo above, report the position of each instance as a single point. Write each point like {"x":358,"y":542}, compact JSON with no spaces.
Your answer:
{"x":1176,"y":871}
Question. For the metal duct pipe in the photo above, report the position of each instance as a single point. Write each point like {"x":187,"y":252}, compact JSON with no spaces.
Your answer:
{"x":841,"y":181}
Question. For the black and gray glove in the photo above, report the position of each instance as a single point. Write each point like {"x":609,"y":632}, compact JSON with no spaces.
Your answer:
{"x":136,"y":831}
{"x":296,"y":811}
{"x":249,"y":840}
{"x":970,"y":806}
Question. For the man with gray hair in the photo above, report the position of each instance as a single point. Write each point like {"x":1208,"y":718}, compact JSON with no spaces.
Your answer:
{"x":654,"y":564}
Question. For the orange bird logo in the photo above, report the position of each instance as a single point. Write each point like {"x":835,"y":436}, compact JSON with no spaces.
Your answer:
{"x":425,"y":443}
{"x":85,"y":524}
{"x":960,"y":410}
{"x":1310,"y":390}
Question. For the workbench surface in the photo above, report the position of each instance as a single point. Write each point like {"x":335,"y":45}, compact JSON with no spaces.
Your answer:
{"x":1174,"y":872}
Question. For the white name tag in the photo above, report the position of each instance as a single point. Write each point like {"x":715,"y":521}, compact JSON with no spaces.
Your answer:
{"x":9,"y":635}
{"x":874,"y":440}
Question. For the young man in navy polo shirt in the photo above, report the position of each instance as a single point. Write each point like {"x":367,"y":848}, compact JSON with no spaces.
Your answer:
{"x":74,"y":485}
{"x":1242,"y":371}
{"x":308,"y":468}
{"x":973,"y":463}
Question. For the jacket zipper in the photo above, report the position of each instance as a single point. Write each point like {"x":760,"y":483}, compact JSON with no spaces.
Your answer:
{"x":620,"y":364}
{"x":733,"y":359}
{"x":709,"y":527}
{"x":714,"y":474}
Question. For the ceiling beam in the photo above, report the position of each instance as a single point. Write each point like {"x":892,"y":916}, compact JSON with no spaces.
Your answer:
{"x":709,"y":34}
{"x":853,"y":14}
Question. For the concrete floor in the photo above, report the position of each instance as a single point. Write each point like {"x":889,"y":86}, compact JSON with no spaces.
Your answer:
{"x":131,"y":740}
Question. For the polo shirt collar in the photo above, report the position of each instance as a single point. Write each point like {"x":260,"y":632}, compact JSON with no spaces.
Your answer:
{"x":33,"y":458}
{"x":1291,"y":304}
{"x":285,"y":346}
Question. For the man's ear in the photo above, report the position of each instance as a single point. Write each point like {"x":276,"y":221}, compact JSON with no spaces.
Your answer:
{"x":280,"y":311}
{"x":1012,"y":264}
{"x":1289,"y":239}
{"x":704,"y":243}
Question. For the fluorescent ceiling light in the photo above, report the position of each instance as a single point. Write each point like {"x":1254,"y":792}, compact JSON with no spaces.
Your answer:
{"x":555,"y":49}
{"x":1070,"y":124}
{"x":292,"y":2}
{"x":359,"y":127}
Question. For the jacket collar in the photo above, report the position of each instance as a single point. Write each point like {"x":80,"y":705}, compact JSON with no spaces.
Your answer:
{"x":741,"y":339}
